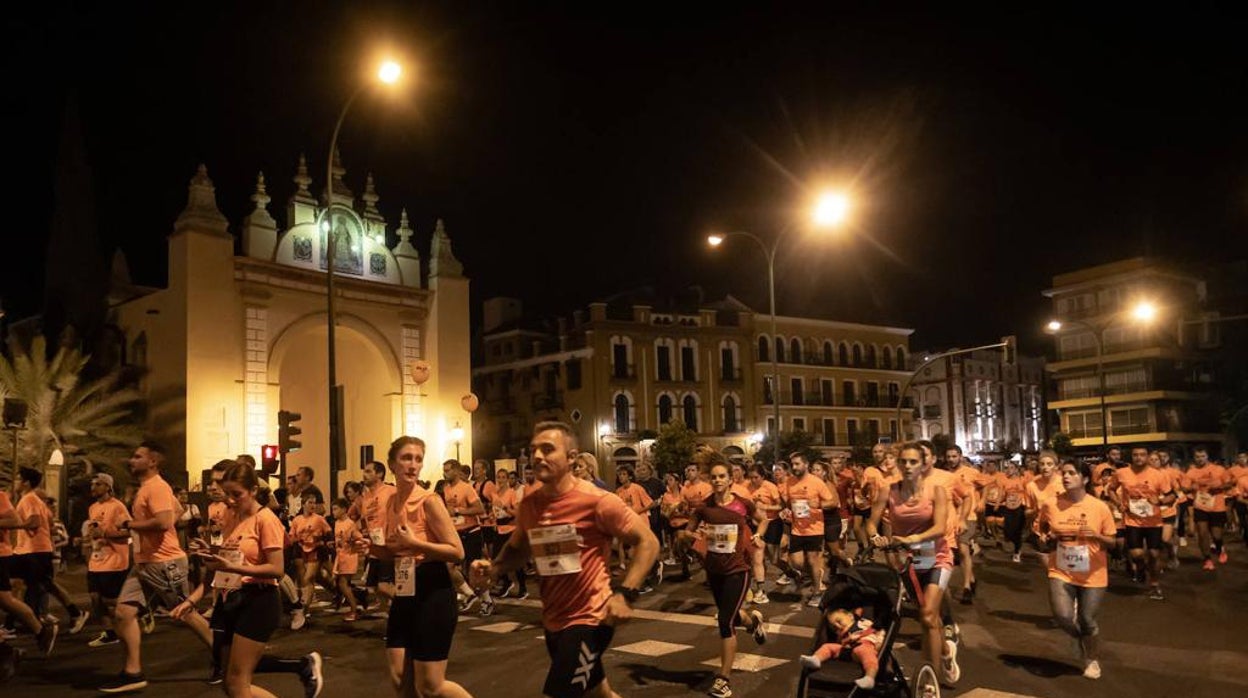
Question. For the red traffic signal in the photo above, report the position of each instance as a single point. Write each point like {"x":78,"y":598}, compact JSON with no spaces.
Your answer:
{"x":269,"y":458}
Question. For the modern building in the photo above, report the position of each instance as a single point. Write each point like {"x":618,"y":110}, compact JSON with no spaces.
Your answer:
{"x":986,"y":405}
{"x":1157,"y":368}
{"x":238,"y":335}
{"x":627,"y":366}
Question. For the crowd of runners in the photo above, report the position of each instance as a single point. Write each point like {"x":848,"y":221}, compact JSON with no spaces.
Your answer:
{"x":421,"y":554}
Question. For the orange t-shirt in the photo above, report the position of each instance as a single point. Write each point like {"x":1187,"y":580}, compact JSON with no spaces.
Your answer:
{"x":409,"y":512}
{"x":694,"y":494}
{"x":220,"y":516}
{"x":1039,"y":491}
{"x":109,"y":554}
{"x":672,"y":501}
{"x":570,"y":538}
{"x":39,"y":540}
{"x":1013,"y":490}
{"x":309,"y":531}
{"x":635,"y":496}
{"x":255,"y":536}
{"x":486,"y":493}
{"x":1242,"y":485}
{"x":766,"y":494}
{"x":741,"y":489}
{"x":1199,"y":481}
{"x":1176,"y":485}
{"x":156,"y":496}
{"x":372,"y":509}
{"x":955,"y":492}
{"x":461,"y":495}
{"x":505,"y":503}
{"x":874,"y":481}
{"x":346,"y":533}
{"x":1077,"y":560}
{"x":807,"y":496}
{"x":6,"y":508}
{"x":971,"y":483}
{"x":531,"y":487}
{"x":1137,"y":493}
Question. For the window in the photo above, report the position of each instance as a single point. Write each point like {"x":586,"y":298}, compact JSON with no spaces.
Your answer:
{"x":1079,"y":387}
{"x":873,"y":430}
{"x":771,"y":425}
{"x":780,"y":349}
{"x":663,"y":361}
{"x":1123,"y":338}
{"x":795,"y":350}
{"x":901,"y":358}
{"x":1084,"y":424}
{"x":851,"y":428}
{"x":825,"y":393}
{"x":1130,"y":420}
{"x":768,"y":389}
{"x":1079,"y":345}
{"x":688,"y":363}
{"x":873,"y":394}
{"x":849,"y":392}
{"x":888,"y":358}
{"x":799,"y":424}
{"x":844,"y":355}
{"x":894,"y":394}
{"x":892,"y":429}
{"x":623,"y":413}
{"x":828,"y":353}
{"x":690,"y":404}
{"x":795,"y":385}
{"x":665,"y":409}
{"x":857,"y":354}
{"x":731,"y":423}
{"x":871,"y":356}
{"x":763,"y":354}
{"x":619,"y":360}
{"x":574,"y":374}
{"x":728,"y":362}
{"x":829,"y":432}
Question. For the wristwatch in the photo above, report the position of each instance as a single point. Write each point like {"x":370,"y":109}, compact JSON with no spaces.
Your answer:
{"x":630,"y":595}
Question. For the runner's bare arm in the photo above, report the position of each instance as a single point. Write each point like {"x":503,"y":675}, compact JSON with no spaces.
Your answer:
{"x":513,"y":556}
{"x":645,"y":552}
{"x":444,"y":543}
{"x":163,"y":521}
{"x":11,"y":520}
{"x":877,"y":512}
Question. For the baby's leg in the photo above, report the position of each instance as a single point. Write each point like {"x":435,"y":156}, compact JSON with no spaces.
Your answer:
{"x":828,"y":651}
{"x":867,"y":655}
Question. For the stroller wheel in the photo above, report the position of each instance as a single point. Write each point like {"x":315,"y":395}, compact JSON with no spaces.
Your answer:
{"x":925,"y":684}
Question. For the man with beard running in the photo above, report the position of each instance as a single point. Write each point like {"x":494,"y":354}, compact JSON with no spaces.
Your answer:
{"x":806,"y":499}
{"x":567,"y":528}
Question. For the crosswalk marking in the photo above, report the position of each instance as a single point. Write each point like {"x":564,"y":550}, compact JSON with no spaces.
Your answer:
{"x":749,"y":662}
{"x":652,"y":648}
{"x":685,"y":618}
{"x":503,"y":627}
{"x":991,"y":693}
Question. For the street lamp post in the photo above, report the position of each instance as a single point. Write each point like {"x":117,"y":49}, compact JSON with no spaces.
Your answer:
{"x":829,"y":211}
{"x":389,"y":73}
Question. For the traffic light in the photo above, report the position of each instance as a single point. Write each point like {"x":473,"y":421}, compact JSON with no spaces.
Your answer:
{"x":286,"y":431}
{"x":269,"y":458}
{"x":1011,"y":348}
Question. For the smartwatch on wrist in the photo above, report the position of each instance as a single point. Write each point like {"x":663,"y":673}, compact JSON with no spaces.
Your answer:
{"x":630,"y":595}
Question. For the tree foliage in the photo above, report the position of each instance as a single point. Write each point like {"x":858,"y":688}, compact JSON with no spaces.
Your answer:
{"x":91,"y":420}
{"x":673,"y":449}
{"x":1062,"y":444}
{"x":790,"y":442}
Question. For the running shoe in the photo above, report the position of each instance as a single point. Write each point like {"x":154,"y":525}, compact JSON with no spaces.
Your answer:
{"x":78,"y":622}
{"x":1156,"y":595}
{"x":351,"y":617}
{"x":761,"y":598}
{"x":216,"y":676}
{"x":106,"y":638}
{"x":125,"y":683}
{"x":207,"y":614}
{"x":949,"y":662}
{"x":310,"y":675}
{"x":466,"y":603}
{"x":322,"y":604}
{"x":1016,"y":557}
{"x":1222,"y":558}
{"x":1208,"y":566}
{"x":783,"y":580}
{"x":487,"y":608}
{"x":720,"y":689}
{"x":47,"y":638}
{"x":524,"y":594}
{"x":1092,"y":670}
{"x":298,"y":619}
{"x":148,"y":622}
{"x":813,"y":601}
{"x":1182,"y":543}
{"x":645,"y":589}
{"x":760,"y":628}
{"x":509,"y":591}
{"x":658,"y":578}
{"x":669,"y":560}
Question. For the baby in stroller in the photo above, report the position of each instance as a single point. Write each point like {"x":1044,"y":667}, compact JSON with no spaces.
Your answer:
{"x":855,"y":636}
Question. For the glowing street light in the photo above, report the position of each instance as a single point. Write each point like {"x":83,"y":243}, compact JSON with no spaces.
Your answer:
{"x":1144,"y":312}
{"x":1054,"y":326}
{"x":831,"y":209}
{"x":389,"y":72}
{"x":714,"y":240}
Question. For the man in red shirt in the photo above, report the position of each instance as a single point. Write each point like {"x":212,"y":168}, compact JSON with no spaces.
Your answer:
{"x":567,"y":527}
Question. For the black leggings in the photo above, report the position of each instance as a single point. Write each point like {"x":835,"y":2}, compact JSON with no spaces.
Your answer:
{"x":729,"y":593}
{"x":1015,"y":520}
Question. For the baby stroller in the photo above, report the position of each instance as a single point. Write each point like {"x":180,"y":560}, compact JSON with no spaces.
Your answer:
{"x":876,"y":589}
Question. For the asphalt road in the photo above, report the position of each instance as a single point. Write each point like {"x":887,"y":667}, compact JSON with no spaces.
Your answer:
{"x":1190,"y":645}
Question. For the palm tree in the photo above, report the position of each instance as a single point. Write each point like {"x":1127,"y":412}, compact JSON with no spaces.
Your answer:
{"x":91,"y":420}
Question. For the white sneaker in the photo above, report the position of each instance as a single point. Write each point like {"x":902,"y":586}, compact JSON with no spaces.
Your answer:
{"x":949,"y":662}
{"x":1182,"y":541}
{"x":1092,"y":670}
{"x":1017,"y":557}
{"x":809,"y":661}
{"x":298,"y":619}
{"x":761,"y":598}
{"x":866,"y":683}
{"x":783,"y":580}
{"x":760,"y":628}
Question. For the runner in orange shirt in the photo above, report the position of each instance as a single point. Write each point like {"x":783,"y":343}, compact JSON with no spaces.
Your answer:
{"x":1208,"y":484}
{"x":347,"y":544}
{"x":33,"y":551}
{"x":1079,"y":528}
{"x":15,"y":607}
{"x":507,"y":502}
{"x":806,"y":498}
{"x":671,"y":507}
{"x":969,"y":476}
{"x":1013,"y":507}
{"x":309,"y":531}
{"x":693,"y":497}
{"x":465,"y":507}
{"x":369,"y":512}
{"x":637,"y":499}
{"x":1169,"y":512}
{"x":1238,"y":472}
{"x":109,"y":562}
{"x":567,"y":528}
{"x":1142,"y":491}
{"x":766,"y":498}
{"x":833,"y":526}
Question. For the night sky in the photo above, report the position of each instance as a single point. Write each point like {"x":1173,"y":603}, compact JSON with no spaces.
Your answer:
{"x":582,"y":150}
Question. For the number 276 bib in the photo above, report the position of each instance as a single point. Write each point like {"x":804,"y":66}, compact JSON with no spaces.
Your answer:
{"x":556,"y":550}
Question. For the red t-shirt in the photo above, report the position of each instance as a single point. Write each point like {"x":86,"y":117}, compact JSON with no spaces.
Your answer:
{"x":570,"y":538}
{"x":727,"y":534}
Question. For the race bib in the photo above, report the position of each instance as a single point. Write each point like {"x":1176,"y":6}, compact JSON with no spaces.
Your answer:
{"x":722,"y":538}
{"x":405,"y":576}
{"x":376,"y":536}
{"x":215,"y":539}
{"x":993,"y":495}
{"x":97,"y":554}
{"x":1140,"y":507}
{"x":1073,"y":558}
{"x":229,"y":580}
{"x":924,"y":555}
{"x":1204,"y":500}
{"x":556,"y":550}
{"x":801,"y":509}
{"x":1013,"y":499}
{"x":500,"y":513}
{"x":457,"y":521}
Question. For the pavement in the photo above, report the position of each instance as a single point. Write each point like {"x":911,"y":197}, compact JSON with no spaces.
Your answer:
{"x":1191,"y":645}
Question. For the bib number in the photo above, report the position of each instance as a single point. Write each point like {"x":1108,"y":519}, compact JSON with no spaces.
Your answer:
{"x":993,"y":495}
{"x":229,"y":580}
{"x":1073,"y":558}
{"x":457,"y":521}
{"x":556,"y":550}
{"x":1204,"y":500}
{"x":405,"y":576}
{"x":377,"y":536}
{"x":722,"y":538}
{"x":1013,"y":499}
{"x":1140,"y":507}
{"x":97,"y":554}
{"x":801,"y":509}
{"x":924,"y":555}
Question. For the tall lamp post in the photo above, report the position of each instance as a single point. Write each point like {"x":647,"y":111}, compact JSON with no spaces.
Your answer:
{"x":830,"y":211}
{"x":1142,"y":313}
{"x":388,"y":73}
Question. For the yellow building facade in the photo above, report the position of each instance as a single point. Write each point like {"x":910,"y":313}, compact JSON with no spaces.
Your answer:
{"x":237,"y":336}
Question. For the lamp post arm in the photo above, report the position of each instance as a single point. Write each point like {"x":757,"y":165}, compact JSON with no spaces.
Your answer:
{"x":929,"y":361}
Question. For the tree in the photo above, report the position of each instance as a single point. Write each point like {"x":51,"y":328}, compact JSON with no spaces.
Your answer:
{"x":790,"y":442}
{"x":89,"y":420}
{"x":673,"y":449}
{"x":1062,"y":444}
{"x":941,"y":443}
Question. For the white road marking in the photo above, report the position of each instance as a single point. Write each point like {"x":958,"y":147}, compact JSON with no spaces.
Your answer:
{"x":749,"y":662}
{"x":506,"y":626}
{"x":653,"y":648}
{"x":685,"y":618}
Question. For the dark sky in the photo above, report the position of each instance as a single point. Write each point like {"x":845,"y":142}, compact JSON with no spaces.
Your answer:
{"x":576,"y":151}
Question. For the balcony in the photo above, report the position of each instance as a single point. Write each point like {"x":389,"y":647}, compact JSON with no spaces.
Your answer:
{"x":548,"y":400}
{"x":730,"y":375}
{"x":837,"y":400}
{"x":623,"y":372}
